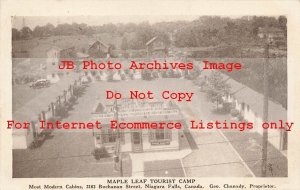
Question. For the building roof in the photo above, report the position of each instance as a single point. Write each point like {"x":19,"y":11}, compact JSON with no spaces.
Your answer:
{"x":151,"y":41}
{"x":255,"y":100}
{"x":100,"y":42}
{"x":154,"y":118}
{"x":138,"y":111}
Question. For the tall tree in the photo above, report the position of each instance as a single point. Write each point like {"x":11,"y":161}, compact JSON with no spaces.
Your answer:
{"x":282,"y":24}
{"x":217,"y":88}
{"x":38,"y":31}
{"x":124,"y":44}
{"x":26,"y":32}
{"x":15,"y":34}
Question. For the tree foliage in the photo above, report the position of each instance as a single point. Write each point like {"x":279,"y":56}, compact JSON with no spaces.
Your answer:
{"x":217,"y":87}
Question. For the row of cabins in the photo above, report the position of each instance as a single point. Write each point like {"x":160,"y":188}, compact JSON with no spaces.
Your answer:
{"x":249,"y":103}
{"x":50,"y":105}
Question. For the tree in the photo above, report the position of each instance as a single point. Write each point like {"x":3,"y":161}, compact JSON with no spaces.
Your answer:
{"x":282,"y":24}
{"x":217,"y":88}
{"x":146,"y":75}
{"x":124,"y":44}
{"x":26,"y":32}
{"x":143,"y":34}
{"x":49,"y":28}
{"x":38,"y":31}
{"x":15,"y":34}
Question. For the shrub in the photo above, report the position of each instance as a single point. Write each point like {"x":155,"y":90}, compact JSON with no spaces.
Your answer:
{"x":123,"y":76}
{"x":240,"y":117}
{"x":234,"y":112}
{"x":99,"y":152}
{"x":227,"y":106}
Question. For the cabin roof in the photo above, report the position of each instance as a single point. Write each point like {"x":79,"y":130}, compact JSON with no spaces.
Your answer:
{"x":254,"y":99}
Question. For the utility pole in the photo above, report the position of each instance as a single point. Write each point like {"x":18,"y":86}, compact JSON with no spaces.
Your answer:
{"x":118,"y":141}
{"x":265,"y":112}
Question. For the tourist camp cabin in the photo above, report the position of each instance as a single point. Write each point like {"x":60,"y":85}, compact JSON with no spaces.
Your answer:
{"x":136,"y":140}
{"x":156,"y":48}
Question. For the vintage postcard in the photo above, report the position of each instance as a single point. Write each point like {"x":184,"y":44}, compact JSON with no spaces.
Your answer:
{"x":149,"y":95}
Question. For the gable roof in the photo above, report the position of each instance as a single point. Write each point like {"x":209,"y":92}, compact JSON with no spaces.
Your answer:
{"x":151,"y":41}
{"x":255,"y":100}
{"x":100,"y":42}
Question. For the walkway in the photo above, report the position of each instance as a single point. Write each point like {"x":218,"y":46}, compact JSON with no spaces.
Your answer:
{"x":138,"y":159}
{"x":215,"y":156}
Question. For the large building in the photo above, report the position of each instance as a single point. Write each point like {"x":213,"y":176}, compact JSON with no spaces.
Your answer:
{"x":137,"y":140}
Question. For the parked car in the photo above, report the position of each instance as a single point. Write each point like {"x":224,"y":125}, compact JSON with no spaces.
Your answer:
{"x":41,"y":83}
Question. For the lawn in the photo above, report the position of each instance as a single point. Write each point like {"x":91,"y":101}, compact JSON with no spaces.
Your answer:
{"x":165,"y":168}
{"x":249,"y":147}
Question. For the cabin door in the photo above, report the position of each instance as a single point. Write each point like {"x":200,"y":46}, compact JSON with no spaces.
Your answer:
{"x":137,"y":141}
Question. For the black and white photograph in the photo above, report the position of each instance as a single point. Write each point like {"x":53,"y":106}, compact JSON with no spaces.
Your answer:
{"x":149,"y":96}
{"x":142,"y":95}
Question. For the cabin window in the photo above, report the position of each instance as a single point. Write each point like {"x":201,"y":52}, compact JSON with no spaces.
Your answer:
{"x":111,"y":136}
{"x":159,"y":135}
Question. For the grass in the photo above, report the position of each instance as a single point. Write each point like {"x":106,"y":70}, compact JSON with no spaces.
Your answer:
{"x":38,"y":47}
{"x":249,"y":147}
{"x":165,"y":168}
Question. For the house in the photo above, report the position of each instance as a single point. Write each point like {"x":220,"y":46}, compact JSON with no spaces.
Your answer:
{"x":157,"y":48}
{"x":99,"y":49}
{"x":137,"y":140}
{"x":55,"y":54}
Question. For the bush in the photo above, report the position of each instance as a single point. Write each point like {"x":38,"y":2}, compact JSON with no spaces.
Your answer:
{"x":99,"y":153}
{"x":123,"y":76}
{"x":60,"y":111}
{"x":227,"y":106}
{"x":155,"y":74}
{"x":240,"y":117}
{"x":234,"y":112}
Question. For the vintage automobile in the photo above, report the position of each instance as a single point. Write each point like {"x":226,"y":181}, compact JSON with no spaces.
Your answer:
{"x":41,"y":83}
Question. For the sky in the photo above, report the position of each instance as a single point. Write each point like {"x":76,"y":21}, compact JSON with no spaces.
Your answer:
{"x":33,"y":21}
